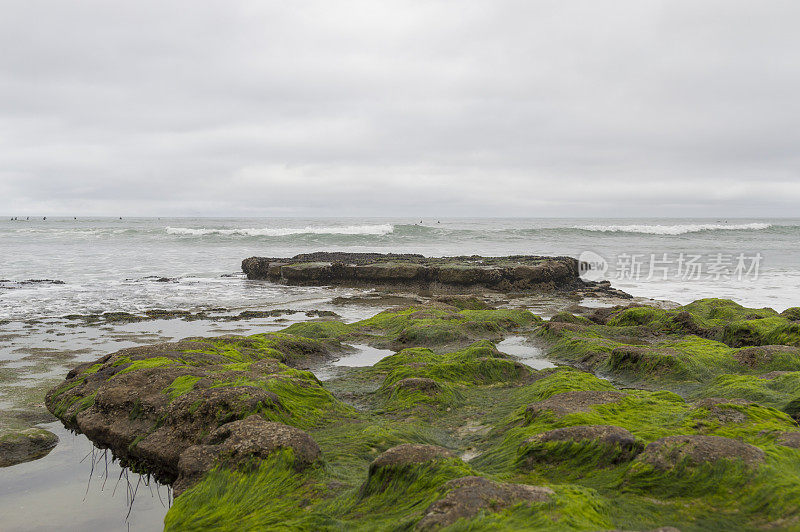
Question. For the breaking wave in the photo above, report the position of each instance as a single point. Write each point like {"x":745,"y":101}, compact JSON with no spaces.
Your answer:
{"x":380,"y":229}
{"x":681,"y":229}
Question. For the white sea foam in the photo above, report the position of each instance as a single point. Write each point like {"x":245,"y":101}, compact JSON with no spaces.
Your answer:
{"x":672,"y":229}
{"x":381,"y":229}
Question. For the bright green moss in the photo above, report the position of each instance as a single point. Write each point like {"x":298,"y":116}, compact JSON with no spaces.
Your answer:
{"x":320,"y":329}
{"x":435,"y":326}
{"x":775,"y":330}
{"x":776,"y":392}
{"x":401,"y":396}
{"x":475,"y":403}
{"x":147,"y":363}
{"x":477,"y":371}
{"x":391,"y":499}
{"x":559,"y":381}
{"x":411,"y":355}
{"x":639,"y":316}
{"x":94,"y":368}
{"x":284,"y":347}
{"x":301,"y":401}
{"x":181,"y":385}
{"x":688,"y":359}
{"x":418,"y":356}
{"x":586,"y":348}
{"x":689,"y":480}
{"x":724,"y":310}
{"x":497,"y":320}
{"x":581,"y":453}
{"x":227,"y":499}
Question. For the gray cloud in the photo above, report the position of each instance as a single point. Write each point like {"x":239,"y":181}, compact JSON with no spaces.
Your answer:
{"x":538,"y":108}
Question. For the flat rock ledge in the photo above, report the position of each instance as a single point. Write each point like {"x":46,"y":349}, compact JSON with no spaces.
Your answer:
{"x":513,"y":273}
{"x":469,"y":496}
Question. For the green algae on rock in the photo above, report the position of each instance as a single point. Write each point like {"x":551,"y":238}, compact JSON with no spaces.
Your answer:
{"x":20,"y":446}
{"x":450,"y":433}
{"x":149,"y":404}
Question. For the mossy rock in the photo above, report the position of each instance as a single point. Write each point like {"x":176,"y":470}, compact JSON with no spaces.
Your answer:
{"x":565,"y":403}
{"x":792,"y":313}
{"x":789,"y":439}
{"x":412,"y":393}
{"x":769,"y":357}
{"x":671,"y":452}
{"x":243,"y":443}
{"x":725,"y":410}
{"x":399,"y":468}
{"x":25,"y":445}
{"x":391,"y":461}
{"x":584,"y":445}
{"x":777,"y":392}
{"x":694,"y":465}
{"x":435,"y":325}
{"x":772,"y":330}
{"x":469,"y":497}
{"x":149,"y":404}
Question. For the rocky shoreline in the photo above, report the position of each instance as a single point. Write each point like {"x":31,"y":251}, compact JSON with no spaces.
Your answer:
{"x":697,"y":403}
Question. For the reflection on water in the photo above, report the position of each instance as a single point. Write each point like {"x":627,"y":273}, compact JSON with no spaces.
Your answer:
{"x":79,"y":487}
{"x":527,"y":353}
{"x":364,"y":355}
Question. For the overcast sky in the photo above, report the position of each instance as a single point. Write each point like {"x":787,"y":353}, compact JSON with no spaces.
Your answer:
{"x":495,"y":108}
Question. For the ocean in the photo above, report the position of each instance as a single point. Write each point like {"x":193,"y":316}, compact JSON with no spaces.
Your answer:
{"x":89,"y":265}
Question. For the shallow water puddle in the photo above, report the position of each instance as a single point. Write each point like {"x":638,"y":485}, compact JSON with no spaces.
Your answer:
{"x":364,"y":356}
{"x":527,"y":353}
{"x":79,"y":487}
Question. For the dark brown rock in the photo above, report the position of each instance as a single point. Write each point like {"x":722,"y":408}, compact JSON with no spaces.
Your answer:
{"x":256,"y":267}
{"x":360,"y":269}
{"x":469,"y":496}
